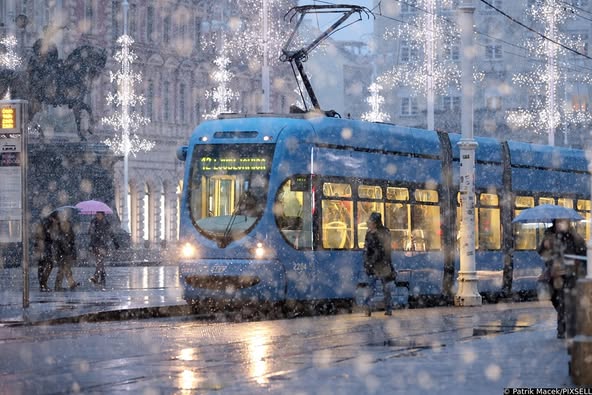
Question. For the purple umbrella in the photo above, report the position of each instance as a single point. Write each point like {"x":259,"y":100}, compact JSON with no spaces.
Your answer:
{"x":93,"y":207}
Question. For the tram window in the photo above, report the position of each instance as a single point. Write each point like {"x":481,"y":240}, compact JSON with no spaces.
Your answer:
{"x":337,"y":224}
{"x":489,"y":232}
{"x":365,"y":208}
{"x":398,"y":217}
{"x":293,"y":214}
{"x":525,"y":235}
{"x":426,"y":195}
{"x":332,"y":189}
{"x":569,"y":203}
{"x":546,"y":200}
{"x":369,"y":192}
{"x":583,"y":227}
{"x":425,"y":231}
{"x":394,"y":193}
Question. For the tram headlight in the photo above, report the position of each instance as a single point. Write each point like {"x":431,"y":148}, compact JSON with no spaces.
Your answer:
{"x":259,"y":250}
{"x":188,"y":251}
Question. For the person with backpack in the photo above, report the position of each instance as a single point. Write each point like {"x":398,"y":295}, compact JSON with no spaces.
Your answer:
{"x":377,"y":262}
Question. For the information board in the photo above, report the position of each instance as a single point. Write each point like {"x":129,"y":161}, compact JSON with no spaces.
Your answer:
{"x":11,"y":210}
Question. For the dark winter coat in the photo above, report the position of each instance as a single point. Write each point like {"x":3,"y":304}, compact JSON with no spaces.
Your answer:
{"x":64,"y":240}
{"x":101,"y":234}
{"x":377,"y":254}
{"x":42,"y":241}
{"x":570,"y":243}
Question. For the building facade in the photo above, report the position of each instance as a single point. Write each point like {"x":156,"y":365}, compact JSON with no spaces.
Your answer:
{"x":517,"y":77}
{"x":175,"y":43}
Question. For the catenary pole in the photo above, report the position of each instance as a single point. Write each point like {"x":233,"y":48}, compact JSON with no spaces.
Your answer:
{"x":467,"y":293}
{"x":265,"y":70}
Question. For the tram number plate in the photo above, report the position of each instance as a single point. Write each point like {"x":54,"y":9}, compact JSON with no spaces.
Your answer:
{"x":218,"y":268}
{"x":300,"y":267}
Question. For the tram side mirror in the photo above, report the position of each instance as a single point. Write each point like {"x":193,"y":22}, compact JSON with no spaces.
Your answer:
{"x":182,"y":153}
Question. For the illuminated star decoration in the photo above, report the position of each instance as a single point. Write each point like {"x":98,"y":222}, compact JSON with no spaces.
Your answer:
{"x":9,"y":59}
{"x":546,"y":114}
{"x":125,"y":98}
{"x":375,"y":100}
{"x":222,"y":95}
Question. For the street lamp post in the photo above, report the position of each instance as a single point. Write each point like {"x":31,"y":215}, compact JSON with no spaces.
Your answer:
{"x":467,"y":293}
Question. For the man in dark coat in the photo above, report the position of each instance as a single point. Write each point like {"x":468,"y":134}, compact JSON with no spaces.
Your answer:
{"x":559,"y":240}
{"x":44,"y":251}
{"x":64,"y":245}
{"x":377,"y":261}
{"x":101,"y":237}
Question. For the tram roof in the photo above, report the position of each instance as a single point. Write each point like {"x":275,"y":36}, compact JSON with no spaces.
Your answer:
{"x":545,"y":156}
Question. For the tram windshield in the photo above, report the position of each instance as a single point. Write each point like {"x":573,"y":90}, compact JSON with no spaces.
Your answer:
{"x":228,"y":188}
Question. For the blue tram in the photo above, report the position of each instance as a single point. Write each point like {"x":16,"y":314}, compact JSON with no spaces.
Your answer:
{"x":274,"y":208}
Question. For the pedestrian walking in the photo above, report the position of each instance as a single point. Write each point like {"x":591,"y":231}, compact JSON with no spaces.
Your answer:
{"x":64,"y":249}
{"x":377,"y":262}
{"x":43,"y":250}
{"x":101,"y":239}
{"x":559,"y":239}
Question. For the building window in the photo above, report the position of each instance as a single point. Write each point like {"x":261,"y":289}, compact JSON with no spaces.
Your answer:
{"x":409,"y":106}
{"x":197,"y":36}
{"x":409,"y":6}
{"x":114,"y":20}
{"x":493,"y":52}
{"x":166,"y":106}
{"x":409,"y":53}
{"x":493,"y":103}
{"x":182,"y":103}
{"x":150,"y":100}
{"x":579,"y":103}
{"x":167,"y":29}
{"x":452,"y":53}
{"x":580,"y":3}
{"x":149,"y":24}
{"x":450,"y":103}
{"x":580,"y":43}
{"x":132,"y":20}
{"x":88,"y":16}
{"x":496,"y":3}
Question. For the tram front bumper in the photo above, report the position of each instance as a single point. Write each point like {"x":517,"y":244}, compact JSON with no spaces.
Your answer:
{"x":233,"y":281}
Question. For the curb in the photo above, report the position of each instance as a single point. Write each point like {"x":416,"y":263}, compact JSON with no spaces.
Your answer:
{"x":115,"y":315}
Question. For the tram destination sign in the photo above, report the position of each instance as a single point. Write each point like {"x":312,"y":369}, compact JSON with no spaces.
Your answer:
{"x":250,"y":164}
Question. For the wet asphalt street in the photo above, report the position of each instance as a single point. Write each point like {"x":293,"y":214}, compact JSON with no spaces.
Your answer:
{"x":222,"y":354}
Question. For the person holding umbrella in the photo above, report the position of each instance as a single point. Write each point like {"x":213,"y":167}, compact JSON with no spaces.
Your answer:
{"x":101,"y":235}
{"x":559,"y":239}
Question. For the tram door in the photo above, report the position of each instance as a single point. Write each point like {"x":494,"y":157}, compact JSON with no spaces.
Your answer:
{"x":221,"y":196}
